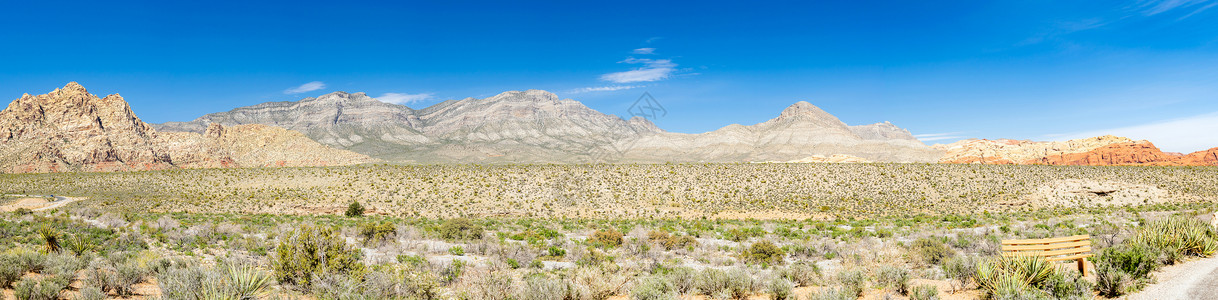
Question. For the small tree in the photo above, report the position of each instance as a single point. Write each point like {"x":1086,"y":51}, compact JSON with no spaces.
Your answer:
{"x":460,"y":229}
{"x":355,"y":209}
{"x":313,"y":251}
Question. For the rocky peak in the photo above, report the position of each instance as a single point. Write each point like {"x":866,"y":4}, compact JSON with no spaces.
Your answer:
{"x":338,"y":98}
{"x":214,"y":130}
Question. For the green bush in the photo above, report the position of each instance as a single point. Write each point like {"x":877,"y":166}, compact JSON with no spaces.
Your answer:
{"x":90,"y":293}
{"x":375,"y":233}
{"x":355,"y":209}
{"x":894,"y":279}
{"x":1113,"y":282}
{"x":606,"y":238}
{"x":931,"y":251}
{"x":540,"y":287}
{"x":10,"y":271}
{"x":460,"y":229}
{"x":735,"y":284}
{"x":310,"y":251}
{"x":835,"y":293}
{"x":653,"y":288}
{"x":924,"y":292}
{"x":763,"y":252}
{"x":456,"y":250}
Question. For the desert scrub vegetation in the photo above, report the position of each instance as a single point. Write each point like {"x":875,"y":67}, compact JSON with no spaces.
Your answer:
{"x":694,"y":190}
{"x":463,"y":240}
{"x":1126,"y":267}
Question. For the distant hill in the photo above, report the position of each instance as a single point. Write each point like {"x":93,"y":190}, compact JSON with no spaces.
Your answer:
{"x":1097,"y":151}
{"x":70,"y":130}
{"x":536,"y":126}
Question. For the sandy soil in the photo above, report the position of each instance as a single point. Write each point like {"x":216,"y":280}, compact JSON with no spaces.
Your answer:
{"x":30,"y":203}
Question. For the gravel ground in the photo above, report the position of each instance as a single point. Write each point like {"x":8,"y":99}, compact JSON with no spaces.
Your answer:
{"x":1191,"y":280}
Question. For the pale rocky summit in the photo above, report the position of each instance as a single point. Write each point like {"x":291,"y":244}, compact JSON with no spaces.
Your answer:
{"x":800,"y":131}
{"x":70,"y":130}
{"x":536,"y":126}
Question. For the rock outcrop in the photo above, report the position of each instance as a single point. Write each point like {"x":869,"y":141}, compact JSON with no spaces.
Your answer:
{"x":1097,"y":151}
{"x":70,"y":130}
{"x":536,"y":126}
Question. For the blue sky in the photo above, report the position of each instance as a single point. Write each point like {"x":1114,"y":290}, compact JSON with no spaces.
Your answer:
{"x":1041,"y":70}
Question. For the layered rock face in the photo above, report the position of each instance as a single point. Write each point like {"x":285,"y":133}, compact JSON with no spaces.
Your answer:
{"x":70,"y":130}
{"x":1097,"y":151}
{"x":536,"y":126}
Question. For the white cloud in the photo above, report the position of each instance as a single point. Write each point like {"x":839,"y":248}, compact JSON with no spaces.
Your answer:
{"x":308,"y":87}
{"x":402,"y":98}
{"x":603,"y":88}
{"x":929,"y":137}
{"x":1176,"y":135}
{"x":645,"y":51}
{"x":652,"y":70}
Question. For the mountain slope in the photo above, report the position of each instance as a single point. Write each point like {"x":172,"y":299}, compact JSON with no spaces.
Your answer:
{"x":536,"y":126}
{"x":70,"y":130}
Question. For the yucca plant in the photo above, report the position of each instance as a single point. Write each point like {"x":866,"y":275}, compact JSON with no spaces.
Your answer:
{"x":78,"y":244}
{"x":51,"y":236}
{"x":248,"y":282}
{"x":1178,"y":237}
{"x":1015,"y":273}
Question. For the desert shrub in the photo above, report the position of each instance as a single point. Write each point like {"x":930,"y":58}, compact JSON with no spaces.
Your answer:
{"x":931,"y":251}
{"x":90,"y":293}
{"x":355,"y":209}
{"x":735,"y":284}
{"x":456,"y":250}
{"x":10,"y":271}
{"x":376,"y":233}
{"x":853,"y":282}
{"x":924,"y":292}
{"x":595,"y":257}
{"x":1068,"y":285}
{"x":961,"y":271}
{"x":835,"y":293}
{"x":540,"y":287}
{"x":684,"y":280}
{"x":1112,"y":282}
{"x":894,"y":279}
{"x":596,"y":283}
{"x":310,"y":250}
{"x":801,"y":273}
{"x":63,"y":265}
{"x":780,"y":288}
{"x":654,"y":288}
{"x":1135,"y":260}
{"x":606,"y":238}
{"x":452,"y":271}
{"x":460,"y":229}
{"x":337,"y":286}
{"x":671,"y":241}
{"x":763,"y":252}
{"x":556,"y":251}
{"x":40,"y":289}
{"x":492,"y":286}
{"x":1025,"y":275}
{"x":28,"y":260}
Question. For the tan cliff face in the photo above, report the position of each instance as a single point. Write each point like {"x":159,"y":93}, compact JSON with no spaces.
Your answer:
{"x":1097,"y":151}
{"x":70,"y":130}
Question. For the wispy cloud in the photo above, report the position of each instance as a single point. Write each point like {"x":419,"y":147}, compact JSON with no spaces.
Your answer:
{"x":403,"y":98}
{"x":929,"y":137}
{"x":652,"y":70}
{"x":645,"y":51}
{"x":1187,"y":134}
{"x":304,"y":88}
{"x":603,"y":88}
{"x":1154,"y":7}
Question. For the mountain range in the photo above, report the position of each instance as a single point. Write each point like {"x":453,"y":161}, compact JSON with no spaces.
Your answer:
{"x":70,"y":130}
{"x":536,"y":126}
